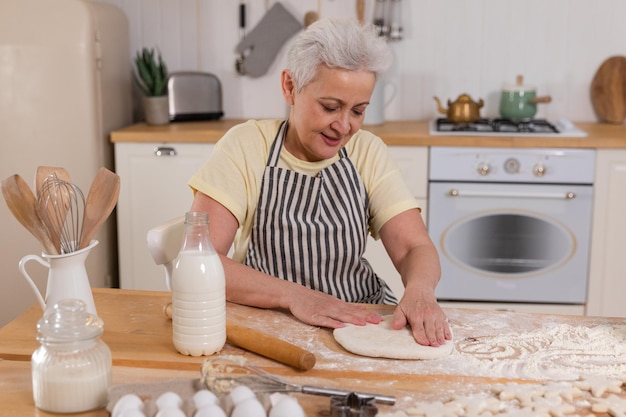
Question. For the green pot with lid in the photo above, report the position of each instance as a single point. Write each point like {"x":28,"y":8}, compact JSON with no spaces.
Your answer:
{"x":519,"y":101}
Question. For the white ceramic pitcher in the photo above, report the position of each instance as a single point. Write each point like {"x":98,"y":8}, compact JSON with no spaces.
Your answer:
{"x":67,"y":278}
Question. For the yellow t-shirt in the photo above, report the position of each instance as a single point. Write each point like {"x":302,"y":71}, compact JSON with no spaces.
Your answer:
{"x":234,"y":172}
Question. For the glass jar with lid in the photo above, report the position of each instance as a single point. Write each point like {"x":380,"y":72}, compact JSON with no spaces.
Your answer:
{"x":71,"y":370}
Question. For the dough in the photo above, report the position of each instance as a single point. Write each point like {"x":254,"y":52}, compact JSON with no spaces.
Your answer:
{"x":381,"y":341}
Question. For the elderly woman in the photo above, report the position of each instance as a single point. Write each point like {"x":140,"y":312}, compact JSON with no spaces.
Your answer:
{"x":299,"y":197}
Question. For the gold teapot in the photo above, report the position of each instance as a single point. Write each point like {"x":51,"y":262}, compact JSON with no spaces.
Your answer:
{"x":463,"y":110}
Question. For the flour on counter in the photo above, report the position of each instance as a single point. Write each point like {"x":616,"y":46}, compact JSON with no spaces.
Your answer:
{"x":556,"y":351}
{"x":561,"y":352}
{"x":487,"y":344}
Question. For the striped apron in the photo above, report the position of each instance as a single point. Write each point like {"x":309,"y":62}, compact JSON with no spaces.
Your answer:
{"x":313,"y":230}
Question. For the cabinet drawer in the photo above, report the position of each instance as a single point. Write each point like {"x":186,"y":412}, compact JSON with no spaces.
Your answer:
{"x":153,"y":190}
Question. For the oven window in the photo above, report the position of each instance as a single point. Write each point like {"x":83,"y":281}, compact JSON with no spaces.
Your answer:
{"x":508,"y":243}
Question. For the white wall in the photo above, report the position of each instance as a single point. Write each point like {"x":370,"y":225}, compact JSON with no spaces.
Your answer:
{"x":449,"y":47}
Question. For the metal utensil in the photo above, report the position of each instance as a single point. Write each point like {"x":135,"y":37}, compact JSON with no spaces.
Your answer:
{"x":101,"y":200}
{"x":22,"y":202}
{"x":61,"y":206}
{"x":222,"y":374}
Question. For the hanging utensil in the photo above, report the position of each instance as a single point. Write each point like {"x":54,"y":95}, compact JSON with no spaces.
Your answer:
{"x":395,"y":21}
{"x":242,"y":34}
{"x":22,"y":203}
{"x":222,"y":374}
{"x":360,"y":11}
{"x":380,"y":22}
{"x":313,"y":16}
{"x":61,"y":206}
{"x":101,"y":200}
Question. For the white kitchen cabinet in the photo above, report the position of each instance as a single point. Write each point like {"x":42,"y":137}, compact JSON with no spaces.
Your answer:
{"x":607,"y":282}
{"x":413,"y":162}
{"x":153,"y":190}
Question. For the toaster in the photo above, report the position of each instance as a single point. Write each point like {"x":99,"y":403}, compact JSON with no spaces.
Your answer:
{"x":194,"y":95}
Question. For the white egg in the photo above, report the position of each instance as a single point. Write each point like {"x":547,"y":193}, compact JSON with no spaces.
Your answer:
{"x":287,"y":407}
{"x":241,"y":393}
{"x":170,"y":412}
{"x":211,"y":410}
{"x":169,"y":399}
{"x":127,"y":402}
{"x":249,"y":408}
{"x":203,"y":398}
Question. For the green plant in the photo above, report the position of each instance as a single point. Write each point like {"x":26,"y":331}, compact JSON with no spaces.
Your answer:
{"x":151,"y":74}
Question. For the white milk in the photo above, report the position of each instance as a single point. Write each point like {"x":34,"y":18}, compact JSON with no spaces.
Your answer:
{"x":198,"y":303}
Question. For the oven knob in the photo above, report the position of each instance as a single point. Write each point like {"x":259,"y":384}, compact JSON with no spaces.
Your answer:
{"x":511,"y":166}
{"x":539,"y":170}
{"x":484,"y":168}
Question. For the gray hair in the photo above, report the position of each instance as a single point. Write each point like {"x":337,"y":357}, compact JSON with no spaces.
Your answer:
{"x":337,"y":43}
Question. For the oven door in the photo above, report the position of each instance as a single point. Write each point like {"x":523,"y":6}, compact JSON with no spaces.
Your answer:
{"x":511,"y":242}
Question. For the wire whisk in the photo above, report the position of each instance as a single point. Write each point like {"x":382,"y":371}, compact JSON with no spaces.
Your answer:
{"x":61,"y":207}
{"x":222,"y":374}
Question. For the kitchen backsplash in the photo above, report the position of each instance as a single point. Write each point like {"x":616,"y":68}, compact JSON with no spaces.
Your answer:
{"x":449,"y":47}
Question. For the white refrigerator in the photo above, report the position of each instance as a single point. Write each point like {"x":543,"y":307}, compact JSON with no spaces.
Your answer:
{"x":65,"y":83}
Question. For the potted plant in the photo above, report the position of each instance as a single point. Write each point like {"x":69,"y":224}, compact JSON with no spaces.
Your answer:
{"x":151,"y":76}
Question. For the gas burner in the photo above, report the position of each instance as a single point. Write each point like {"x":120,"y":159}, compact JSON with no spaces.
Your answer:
{"x":506,"y":127}
{"x":530,"y":126}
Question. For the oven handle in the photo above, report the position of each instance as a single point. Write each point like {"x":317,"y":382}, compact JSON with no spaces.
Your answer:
{"x":568,"y":195}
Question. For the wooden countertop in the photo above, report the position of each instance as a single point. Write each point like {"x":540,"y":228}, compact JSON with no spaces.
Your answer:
{"x":396,"y":133}
{"x":139,"y":336}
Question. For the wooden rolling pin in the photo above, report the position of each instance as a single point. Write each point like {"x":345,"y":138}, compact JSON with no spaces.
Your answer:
{"x":264,"y":345}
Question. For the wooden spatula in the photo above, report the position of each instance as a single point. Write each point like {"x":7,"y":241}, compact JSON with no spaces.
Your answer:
{"x":101,"y":200}
{"x":23,"y":204}
{"x":43,"y":172}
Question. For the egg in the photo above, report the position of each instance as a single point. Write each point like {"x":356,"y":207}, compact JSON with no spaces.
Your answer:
{"x":127,"y":402}
{"x":169,"y":399}
{"x":170,"y":412}
{"x":287,"y":407}
{"x":249,"y":408}
{"x":211,"y":410}
{"x":203,"y":398}
{"x":240,"y":394}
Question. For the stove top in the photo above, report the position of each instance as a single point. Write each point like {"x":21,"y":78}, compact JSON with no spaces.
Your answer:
{"x":506,"y":127}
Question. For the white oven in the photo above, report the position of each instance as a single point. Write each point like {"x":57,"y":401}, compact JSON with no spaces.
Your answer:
{"x":511,"y":225}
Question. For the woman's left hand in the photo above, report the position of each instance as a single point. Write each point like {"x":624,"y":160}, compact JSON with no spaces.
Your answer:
{"x":423,"y":314}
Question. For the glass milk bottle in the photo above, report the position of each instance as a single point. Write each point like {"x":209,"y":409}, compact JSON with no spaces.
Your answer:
{"x":198,"y":292}
{"x":71,"y":370}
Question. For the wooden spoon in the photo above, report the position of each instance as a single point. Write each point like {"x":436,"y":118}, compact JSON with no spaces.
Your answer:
{"x":23,"y":205}
{"x":101,"y":200}
{"x":43,"y":172}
